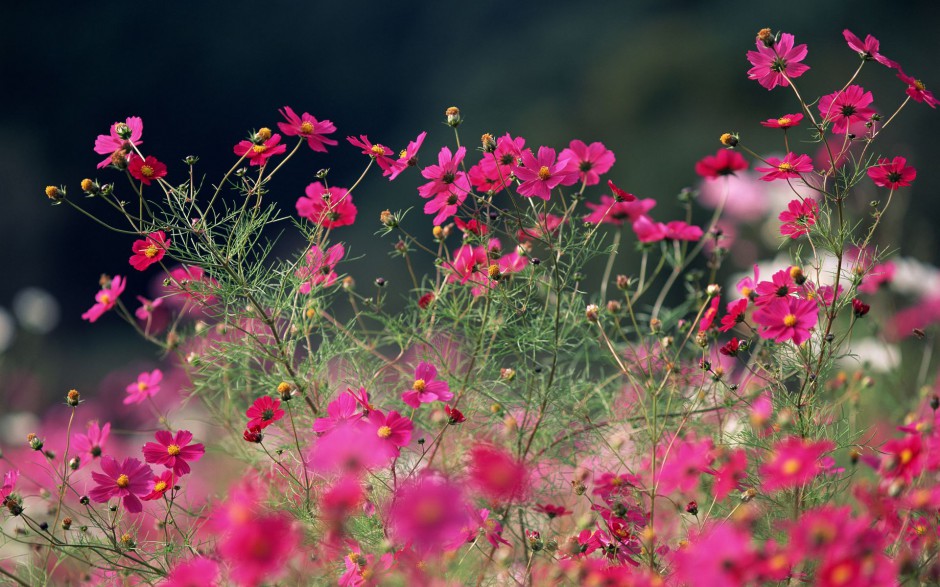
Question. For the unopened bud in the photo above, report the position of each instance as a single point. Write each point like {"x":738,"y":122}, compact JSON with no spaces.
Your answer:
{"x":493,"y":272}
{"x":66,"y":523}
{"x":453,"y":116}
{"x":263,"y":134}
{"x":623,"y":282}
{"x":489,"y":143}
{"x":75,"y":463}
{"x":712,"y":290}
{"x":591,"y":313}
{"x":34,"y":441}
{"x":728,"y":139}
{"x":55,"y":194}
{"x":73,"y":398}
{"x":286,"y":390}
{"x":89,"y":187}
{"x":388,"y":219}
{"x":613,"y":306}
{"x":766,"y":36}
{"x":438,"y":232}
{"x":507,"y":374}
{"x":655,"y":325}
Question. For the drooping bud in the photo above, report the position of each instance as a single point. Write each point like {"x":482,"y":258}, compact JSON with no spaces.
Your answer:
{"x":860,"y":308}
{"x":34,"y":441}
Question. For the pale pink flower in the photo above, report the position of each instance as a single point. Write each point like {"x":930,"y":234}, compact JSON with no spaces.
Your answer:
{"x":147,"y":385}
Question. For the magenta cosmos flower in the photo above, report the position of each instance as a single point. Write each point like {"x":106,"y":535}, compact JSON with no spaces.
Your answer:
{"x":868,"y":50}
{"x":799,"y":216}
{"x":106,"y":299}
{"x":173,"y":451}
{"x":426,"y":387}
{"x":795,"y":462}
{"x":264,"y":412}
{"x":543,"y":174}
{"x":446,"y":177}
{"x":588,"y":161}
{"x":917,"y":90}
{"x":308,"y":127}
{"x":90,"y":446}
{"x":498,"y":475}
{"x":892,"y":173}
{"x":161,"y":484}
{"x":145,"y":170}
{"x":429,"y":512}
{"x":444,"y":205}
{"x":846,"y":107}
{"x":327,"y":207}
{"x":320,"y":269}
{"x":119,"y":140}
{"x":194,"y":572}
{"x":149,"y":250}
{"x":786,"y":121}
{"x":787,"y":318}
{"x":617,"y":211}
{"x":393,"y":431}
{"x":493,"y":171}
{"x":339,"y":411}
{"x":407,"y":158}
{"x":470,"y":264}
{"x":258,"y":153}
{"x":147,"y":385}
{"x":379,"y":152}
{"x":774,"y":64}
{"x":723,"y":162}
{"x":126,"y":480}
{"x":791,"y":166}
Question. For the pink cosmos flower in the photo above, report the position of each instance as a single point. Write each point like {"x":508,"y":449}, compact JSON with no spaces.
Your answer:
{"x":917,"y":90}
{"x":379,"y":152}
{"x":446,"y":177}
{"x":709,"y":316}
{"x":786,"y":121}
{"x":106,"y":299}
{"x":161,"y":484}
{"x":192,"y":283}
{"x":734,"y":314}
{"x":781,"y":284}
{"x":393,"y":430}
{"x":787,"y":318}
{"x":320,"y":267}
{"x":90,"y":446}
{"x":648,"y":230}
{"x":791,"y":166}
{"x":513,"y":262}
{"x":427,"y":387}
{"x":126,"y":480}
{"x":149,"y":251}
{"x":429,"y":512}
{"x":147,"y":385}
{"x":731,"y":348}
{"x":147,"y":308}
{"x":546,"y":226}
{"x":121,"y":138}
{"x":774,"y":64}
{"x":194,"y":572}
{"x":799,"y":216}
{"x":541,"y":175}
{"x":339,"y":411}
{"x":470,"y":264}
{"x":145,"y":170}
{"x":259,"y":153}
{"x":308,"y":127}
{"x":493,"y":171}
{"x":684,"y":465}
{"x":846,"y":107}
{"x":498,"y":475}
{"x":264,"y":412}
{"x":8,"y":485}
{"x":869,"y":49}
{"x":327,"y":207}
{"x":444,"y":205}
{"x":589,"y":162}
{"x":678,"y":230}
{"x":728,"y":477}
{"x":892,"y":173}
{"x":260,"y":548}
{"x":407,"y":158}
{"x":173,"y":451}
{"x":620,"y":195}
{"x":616,"y":212}
{"x":747,"y":286}
{"x":723,"y":162}
{"x":795,"y":462}
{"x":350,"y":447}
{"x":718,"y":554}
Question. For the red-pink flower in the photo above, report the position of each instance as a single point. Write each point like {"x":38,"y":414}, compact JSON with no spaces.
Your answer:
{"x":264,"y":412}
{"x":9,"y":484}
{"x":723,"y":162}
{"x":678,"y":230}
{"x":682,"y":467}
{"x":498,"y":475}
{"x":470,"y":264}
{"x":446,"y":177}
{"x":892,"y":173}
{"x":91,"y":446}
{"x":126,"y":480}
{"x":147,"y":385}
{"x":259,"y":153}
{"x":734,"y":315}
{"x":339,"y":411}
{"x":444,"y":205}
{"x":194,"y":572}
{"x":493,"y":171}
{"x":869,"y":49}
{"x":774,"y":64}
{"x":259,"y":549}
{"x":122,"y":136}
{"x":795,"y":462}
{"x":781,"y":284}
{"x":429,"y":512}
{"x":379,"y":152}
{"x":327,"y":207}
{"x":917,"y":90}
{"x":145,"y":170}
{"x":173,"y":451}
{"x":728,"y":477}
{"x":192,"y":283}
{"x":799,"y":216}
{"x":787,"y":318}
{"x":846,"y":107}
{"x":588,"y":161}
{"x":616,"y":212}
{"x":393,"y":430}
{"x":426,"y":387}
{"x":541,"y":175}
{"x":786,"y":121}
{"x":792,"y":165}
{"x":147,"y":308}
{"x":106,"y":299}
{"x":320,"y":269}
{"x":407,"y":158}
{"x":552,"y":511}
{"x":161,"y":484}
{"x":149,"y":251}
{"x":349,"y":447}
{"x":308,"y":127}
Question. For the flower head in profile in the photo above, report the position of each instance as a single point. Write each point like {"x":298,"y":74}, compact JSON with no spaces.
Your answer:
{"x":146,"y":169}
{"x":327,"y":207}
{"x":149,"y":250}
{"x":498,"y":475}
{"x":106,"y":299}
{"x":119,"y":141}
{"x":892,"y":173}
{"x":724,"y":162}
{"x":734,"y":315}
{"x":161,"y":484}
{"x":174,"y":452}
{"x":127,"y":480}
{"x":264,"y":412}
{"x":795,"y":462}
{"x":430,"y":512}
{"x":868,"y":50}
{"x":799,"y":217}
{"x":192,"y":283}
{"x":380,"y":153}
{"x":320,"y":269}
{"x":308,"y":127}
{"x":406,"y":158}
{"x":588,"y":161}
{"x":195,"y":572}
{"x":8,"y":485}
{"x":787,"y":318}
{"x":495,"y":169}
{"x":147,"y":385}
{"x":426,"y":387}
{"x":774,"y":64}
{"x":541,"y":175}
{"x":917,"y":90}
{"x":786,"y":121}
{"x":616,"y":211}
{"x":470,"y":264}
{"x":258,"y":152}
{"x":90,"y":446}
{"x":791,"y":166}
{"x":846,"y":107}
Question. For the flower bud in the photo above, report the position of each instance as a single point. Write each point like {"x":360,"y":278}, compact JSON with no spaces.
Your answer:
{"x":729,"y":140}
{"x":655,"y":324}
{"x":286,"y":390}
{"x":453,"y":116}
{"x":613,"y":306}
{"x":493,"y":272}
{"x":66,"y":523}
{"x":489,"y":143}
{"x":766,"y":36}
{"x":623,"y":282}
{"x":712,"y":290}
{"x":54,"y":193}
{"x":75,"y":463}
{"x":388,"y":219}
{"x":860,"y":308}
{"x":34,"y":441}
{"x":73,"y":398}
{"x":591,"y":313}
{"x":438,"y":232}
{"x":380,"y":282}
{"x":263,"y":134}
{"x":507,"y":374}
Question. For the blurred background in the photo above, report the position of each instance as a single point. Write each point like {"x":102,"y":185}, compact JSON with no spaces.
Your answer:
{"x":656,"y":81}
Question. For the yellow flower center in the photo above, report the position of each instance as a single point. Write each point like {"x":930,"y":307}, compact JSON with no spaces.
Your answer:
{"x":920,"y":529}
{"x":146,"y":170}
{"x":403,"y":153}
{"x":419,"y":385}
{"x":906,"y":456}
{"x":544,"y":173}
{"x":151,"y":251}
{"x":790,"y":466}
{"x":173,"y":450}
{"x":746,"y":292}
{"x":783,"y":121}
{"x":105,"y":299}
{"x":789,"y":320}
{"x":159,"y":486}
{"x":353,"y":557}
{"x":259,"y":148}
{"x":616,"y":481}
{"x":428,"y":511}
{"x":919,"y":85}
{"x":123,"y":481}
{"x":306,"y":127}
{"x":785,"y":167}
{"x":366,"y":574}
{"x":842,"y":574}
{"x":378,"y":150}
{"x":384,"y":432}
